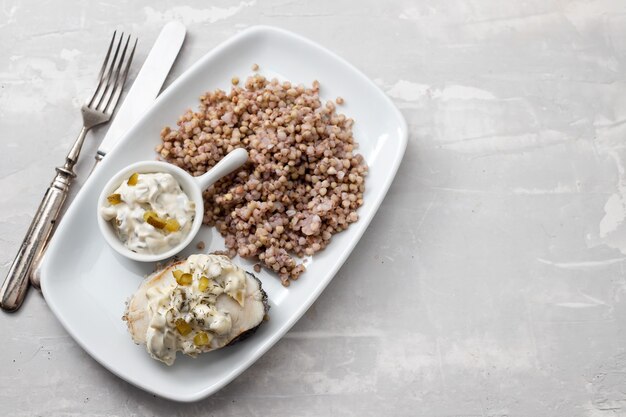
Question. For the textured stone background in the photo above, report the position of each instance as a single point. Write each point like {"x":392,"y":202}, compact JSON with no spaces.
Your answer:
{"x":490,"y":283}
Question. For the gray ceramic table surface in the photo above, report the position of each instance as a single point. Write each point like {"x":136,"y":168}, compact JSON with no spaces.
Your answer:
{"x":492,"y":280}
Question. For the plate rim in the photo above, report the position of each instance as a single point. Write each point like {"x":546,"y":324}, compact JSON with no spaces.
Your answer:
{"x":313,"y":296}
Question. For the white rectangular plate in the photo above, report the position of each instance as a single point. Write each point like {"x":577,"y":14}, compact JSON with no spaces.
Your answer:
{"x":86,"y":283}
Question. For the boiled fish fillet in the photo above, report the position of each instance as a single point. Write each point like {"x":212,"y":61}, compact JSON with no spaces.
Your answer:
{"x":154,"y":312}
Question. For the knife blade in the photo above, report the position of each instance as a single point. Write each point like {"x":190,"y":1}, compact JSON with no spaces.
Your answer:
{"x":146,"y":86}
{"x":141,"y":95}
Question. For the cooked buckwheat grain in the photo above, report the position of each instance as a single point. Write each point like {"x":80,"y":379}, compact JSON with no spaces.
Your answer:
{"x":302,"y":183}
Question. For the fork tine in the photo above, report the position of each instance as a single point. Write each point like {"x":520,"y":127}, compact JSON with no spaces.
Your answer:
{"x":104,"y":80}
{"x":104,"y":66}
{"x":106,"y":58}
{"x":119,"y":84}
{"x":109,"y":90}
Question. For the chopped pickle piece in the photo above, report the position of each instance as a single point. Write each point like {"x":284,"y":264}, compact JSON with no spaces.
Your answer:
{"x":239,"y":297}
{"x":203,"y":283}
{"x":177,"y":274}
{"x":149,"y":214}
{"x":184,"y":279}
{"x":171,"y":225}
{"x":133,"y":179}
{"x":114,"y":199}
{"x":183,"y":327}
{"x":156,"y":222}
{"x":201,"y":339}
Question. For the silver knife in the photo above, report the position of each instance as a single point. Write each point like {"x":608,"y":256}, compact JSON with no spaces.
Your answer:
{"x":146,"y":86}
{"x":141,"y":95}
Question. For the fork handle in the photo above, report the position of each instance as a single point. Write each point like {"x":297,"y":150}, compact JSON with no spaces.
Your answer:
{"x":15,"y":285}
{"x":35,"y":271}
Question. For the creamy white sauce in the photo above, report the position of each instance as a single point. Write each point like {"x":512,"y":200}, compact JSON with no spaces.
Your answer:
{"x":160,"y":193}
{"x":200,"y":309}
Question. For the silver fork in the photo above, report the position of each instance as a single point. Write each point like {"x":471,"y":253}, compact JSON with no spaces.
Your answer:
{"x":97,"y":110}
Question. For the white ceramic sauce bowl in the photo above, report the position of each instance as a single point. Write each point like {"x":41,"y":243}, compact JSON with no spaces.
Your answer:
{"x":192,"y":186}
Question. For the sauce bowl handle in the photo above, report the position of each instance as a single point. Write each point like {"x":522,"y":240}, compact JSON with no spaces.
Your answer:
{"x":235,"y":159}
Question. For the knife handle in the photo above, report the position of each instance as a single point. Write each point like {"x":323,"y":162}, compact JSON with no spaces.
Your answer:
{"x":99,"y":156}
{"x":15,"y":285}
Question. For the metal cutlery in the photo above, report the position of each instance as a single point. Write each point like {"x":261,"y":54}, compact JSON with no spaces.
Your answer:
{"x":140,"y":96}
{"x":97,"y":110}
